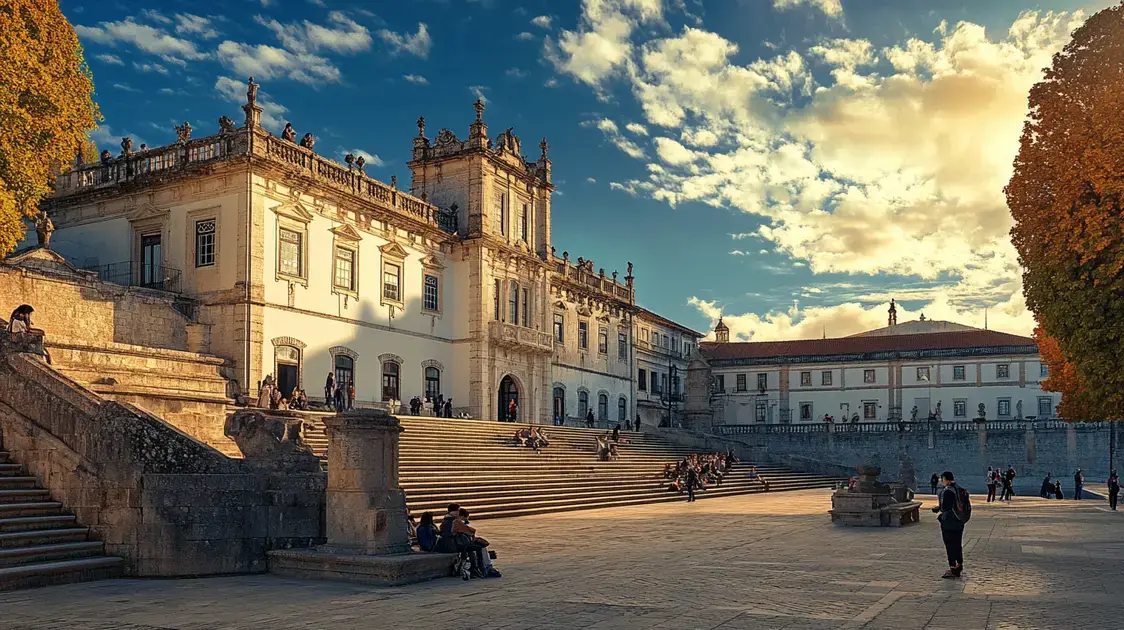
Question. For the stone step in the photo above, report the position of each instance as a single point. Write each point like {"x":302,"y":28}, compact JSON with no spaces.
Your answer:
{"x":61,"y":572}
{"x":41,"y":508}
{"x":35,"y":554}
{"x":415,"y":488}
{"x":4,"y":456}
{"x":10,"y":470}
{"x":12,"y":483}
{"x":43,"y":537}
{"x":23,"y":495}
{"x":33,"y":523}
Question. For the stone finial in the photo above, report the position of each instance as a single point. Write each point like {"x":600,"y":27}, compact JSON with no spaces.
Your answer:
{"x":183,"y":132}
{"x":601,"y":272}
{"x":226,"y":125}
{"x":545,"y":147}
{"x":307,"y":141}
{"x":566,"y":257}
{"x":106,"y":156}
{"x":892,"y":320}
{"x":251,"y":92}
{"x":126,"y":145}
{"x":552,"y":250}
{"x":349,"y":159}
{"x":394,"y":181}
{"x":425,"y":196}
{"x":421,"y":126}
{"x":288,"y":134}
{"x":479,"y":107}
{"x":614,"y":276}
{"x":143,"y":147}
{"x":360,"y":162}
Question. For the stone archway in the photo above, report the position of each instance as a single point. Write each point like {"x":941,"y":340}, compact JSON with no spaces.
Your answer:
{"x":509,"y":391}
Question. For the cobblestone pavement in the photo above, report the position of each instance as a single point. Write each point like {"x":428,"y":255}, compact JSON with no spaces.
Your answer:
{"x":755,"y":562}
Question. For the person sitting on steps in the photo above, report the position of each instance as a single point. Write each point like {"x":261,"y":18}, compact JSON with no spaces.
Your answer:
{"x":755,"y":476}
{"x":522,"y":436}
{"x":427,"y":533}
{"x":477,"y":546}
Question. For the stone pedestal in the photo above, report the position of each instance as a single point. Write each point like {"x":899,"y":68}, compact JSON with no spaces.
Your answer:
{"x":873,"y":504}
{"x":366,"y":528}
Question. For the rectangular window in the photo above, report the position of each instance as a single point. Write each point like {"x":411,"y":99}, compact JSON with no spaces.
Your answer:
{"x":622,"y":346}
{"x":431,"y":301}
{"x":1004,"y":407}
{"x":762,"y":382}
{"x":655,"y":382}
{"x":960,"y":408}
{"x":870,"y":410}
{"x":1043,"y":370}
{"x":523,"y":222}
{"x":805,"y":378}
{"x":1002,"y":371}
{"x":291,"y":253}
{"x":923,"y":374}
{"x":869,"y":377}
{"x":1045,"y":407}
{"x":958,"y":373}
{"x":391,"y":276}
{"x":663,"y":383}
{"x":741,"y":383}
{"x":501,"y":220}
{"x":526,"y":308}
{"x":583,"y":335}
{"x":720,"y":381}
{"x":642,"y":380}
{"x":825,"y":377}
{"x":759,"y":414}
{"x":603,"y":341}
{"x":513,"y":303}
{"x":559,"y":328}
{"x":496,"y":300}
{"x":805,"y":412}
{"x":205,"y":243}
{"x":345,"y":269}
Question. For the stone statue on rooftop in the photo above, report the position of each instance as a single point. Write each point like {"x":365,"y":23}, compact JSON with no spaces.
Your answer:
{"x":913,"y":414}
{"x":183,"y":132}
{"x":288,"y":134}
{"x":308,"y":141}
{"x":982,"y":411}
{"x":44,"y":228}
{"x":630,"y":269}
{"x":251,"y":91}
{"x":1019,"y":410}
{"x":106,"y":156}
{"x":421,"y":126}
{"x":544,"y":147}
{"x":226,"y":125}
{"x":126,"y":145}
{"x":359,"y":162}
{"x":479,"y":107}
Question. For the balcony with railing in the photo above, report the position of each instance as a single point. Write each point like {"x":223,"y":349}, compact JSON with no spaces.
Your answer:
{"x":147,"y":276}
{"x":581,"y":274}
{"x":519,"y":338}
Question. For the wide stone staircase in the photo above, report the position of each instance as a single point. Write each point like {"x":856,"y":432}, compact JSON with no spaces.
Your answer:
{"x":40,"y":542}
{"x":475,"y":463}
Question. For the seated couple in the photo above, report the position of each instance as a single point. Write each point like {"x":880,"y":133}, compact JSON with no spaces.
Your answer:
{"x":606,"y":449}
{"x":532,"y":437}
{"x":456,"y":535}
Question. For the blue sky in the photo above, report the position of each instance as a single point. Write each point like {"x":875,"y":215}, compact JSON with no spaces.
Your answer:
{"x":787,"y":164}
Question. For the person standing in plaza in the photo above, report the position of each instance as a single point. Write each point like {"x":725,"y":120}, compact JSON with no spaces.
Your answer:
{"x":933,"y":481}
{"x":329,"y":389}
{"x":991,"y":482}
{"x":953,"y":510}
{"x":1113,"y":489}
{"x":638,"y":423}
{"x":1078,"y":484}
{"x":350,"y":395}
{"x":692,"y":483}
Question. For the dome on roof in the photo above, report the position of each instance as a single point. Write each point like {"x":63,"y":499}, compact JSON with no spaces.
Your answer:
{"x":721,"y":326}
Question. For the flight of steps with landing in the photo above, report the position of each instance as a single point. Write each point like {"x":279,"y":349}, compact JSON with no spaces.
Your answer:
{"x":41,"y":543}
{"x":475,"y":463}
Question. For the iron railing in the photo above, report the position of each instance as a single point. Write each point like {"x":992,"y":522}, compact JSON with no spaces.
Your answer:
{"x":134,"y":274}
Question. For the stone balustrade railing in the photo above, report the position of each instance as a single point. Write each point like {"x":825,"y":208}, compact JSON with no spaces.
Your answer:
{"x":174,"y":159}
{"x":520,"y":337}
{"x":580,"y":275}
{"x":896,"y":427}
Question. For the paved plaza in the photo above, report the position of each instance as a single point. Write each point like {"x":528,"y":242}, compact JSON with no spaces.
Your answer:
{"x":753,"y":562}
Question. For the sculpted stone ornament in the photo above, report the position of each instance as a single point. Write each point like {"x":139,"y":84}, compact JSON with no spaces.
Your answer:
{"x":251,"y":92}
{"x":308,"y":141}
{"x":445,"y":138}
{"x":183,"y":132}
{"x":288,"y":134}
{"x":913,"y":414}
{"x":226,"y":125}
{"x":630,"y":269}
{"x":544,"y":146}
{"x":1019,"y":410}
{"x":479,"y":107}
{"x":44,"y":228}
{"x":359,"y":162}
{"x":126,"y":145}
{"x":421,"y":126}
{"x":260,"y":436}
{"x":106,"y":156}
{"x":982,"y":411}
{"x":349,"y":159}
{"x":937,"y":415}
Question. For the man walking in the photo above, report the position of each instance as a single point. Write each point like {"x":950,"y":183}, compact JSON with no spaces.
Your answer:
{"x":933,"y":481}
{"x":1078,"y":484}
{"x":991,"y":481}
{"x":692,"y":482}
{"x":1113,"y":489}
{"x":953,"y":511}
{"x":329,"y":390}
{"x":638,"y":423}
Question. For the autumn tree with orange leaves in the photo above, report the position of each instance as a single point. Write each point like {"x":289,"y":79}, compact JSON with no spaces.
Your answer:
{"x":46,"y":107}
{"x":1067,"y":200}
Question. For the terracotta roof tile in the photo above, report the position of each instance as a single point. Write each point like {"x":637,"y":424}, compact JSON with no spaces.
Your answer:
{"x":863,"y":345}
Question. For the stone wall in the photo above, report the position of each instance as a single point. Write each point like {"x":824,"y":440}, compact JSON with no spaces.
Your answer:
{"x":167,"y":503}
{"x":964,"y":449}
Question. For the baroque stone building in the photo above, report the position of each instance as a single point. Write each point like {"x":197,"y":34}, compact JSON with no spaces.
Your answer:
{"x":296,"y":266}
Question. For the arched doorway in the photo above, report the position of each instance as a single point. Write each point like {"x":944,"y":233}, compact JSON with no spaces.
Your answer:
{"x":509,"y":391}
{"x":559,"y":405}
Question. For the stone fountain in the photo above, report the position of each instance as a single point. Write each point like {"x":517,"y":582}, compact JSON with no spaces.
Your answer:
{"x":870,"y":503}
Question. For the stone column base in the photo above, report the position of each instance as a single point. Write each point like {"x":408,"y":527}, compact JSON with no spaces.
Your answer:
{"x":389,"y":570}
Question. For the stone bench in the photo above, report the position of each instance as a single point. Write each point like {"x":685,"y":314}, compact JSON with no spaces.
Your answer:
{"x":899,"y":514}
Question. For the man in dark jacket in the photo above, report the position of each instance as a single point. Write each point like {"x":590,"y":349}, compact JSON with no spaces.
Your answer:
{"x":952,"y":528}
{"x":1078,"y":484}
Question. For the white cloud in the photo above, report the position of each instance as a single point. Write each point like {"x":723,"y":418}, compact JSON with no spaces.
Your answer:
{"x":112,"y":60}
{"x":478,"y":92}
{"x":525,"y":36}
{"x":831,"y":8}
{"x":143,"y":37}
{"x":150,"y":67}
{"x":637,"y":129}
{"x":417,"y":44}
{"x":125,"y":87}
{"x":614,"y":135}
{"x":235,"y":91}
{"x":267,"y":62}
{"x":344,"y":35}
{"x":591,"y":180}
{"x":551,"y":82}
{"x":156,"y":16}
{"x":187,"y":23}
{"x":106,"y":139}
{"x":516,"y":73}
{"x":416,"y":79}
{"x":601,"y":46}
{"x":370,"y":159}
{"x":542,"y":21}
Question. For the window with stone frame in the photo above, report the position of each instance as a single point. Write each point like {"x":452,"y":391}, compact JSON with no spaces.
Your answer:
{"x":1003,"y":370}
{"x":526,"y":308}
{"x":1003,"y":407}
{"x":642,"y":380}
{"x":344,"y":277}
{"x":513,"y":302}
{"x":870,"y":410}
{"x":1045,"y":407}
{"x":958,"y":373}
{"x":923,"y":373}
{"x":602,"y":340}
{"x":501,"y":218}
{"x":960,"y":408}
{"x":869,"y":376}
{"x":392,"y":281}
{"x":559,"y":328}
{"x":431,"y":298}
{"x":1043,"y":370}
{"x":603,"y":407}
{"x":654,"y":377}
{"x":523,"y":218}
{"x":805,"y":378}
{"x":290,"y":261}
{"x":740,"y":383}
{"x":622,"y":347}
{"x":805,"y":412}
{"x":825,"y":377}
{"x":761,"y":412}
{"x":762,"y":382}
{"x":583,"y":335}
{"x":390,"y":373}
{"x":496,"y":290}
{"x":205,"y":232}
{"x":720,"y":382}
{"x":622,"y":410}
{"x":583,"y":403}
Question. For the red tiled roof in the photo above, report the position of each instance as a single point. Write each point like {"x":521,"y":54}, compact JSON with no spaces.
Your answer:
{"x":862,"y":345}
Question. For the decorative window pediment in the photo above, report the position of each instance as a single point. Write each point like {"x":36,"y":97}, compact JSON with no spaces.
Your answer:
{"x":334,"y":350}
{"x":148,"y":211}
{"x":346,"y":232}
{"x":391,"y":358}
{"x":584,"y":311}
{"x":432,"y":262}
{"x":393,"y":250}
{"x":433,"y":363}
{"x":289,"y":341}
{"x":295,"y":211}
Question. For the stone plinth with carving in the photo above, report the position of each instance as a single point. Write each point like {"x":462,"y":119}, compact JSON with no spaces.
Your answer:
{"x":366,"y":526}
{"x":869,"y":503}
{"x":697,"y":411}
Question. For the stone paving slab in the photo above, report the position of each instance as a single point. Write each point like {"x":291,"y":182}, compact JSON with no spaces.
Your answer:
{"x":761,"y":562}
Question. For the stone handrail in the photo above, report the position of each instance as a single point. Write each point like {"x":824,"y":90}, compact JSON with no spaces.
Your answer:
{"x":143,"y":165}
{"x":895,"y":427}
{"x":518,"y":336}
{"x":605,"y":284}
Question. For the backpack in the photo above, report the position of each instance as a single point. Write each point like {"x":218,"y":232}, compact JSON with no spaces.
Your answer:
{"x":962,"y":510}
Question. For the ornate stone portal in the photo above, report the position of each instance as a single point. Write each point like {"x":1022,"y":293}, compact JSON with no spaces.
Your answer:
{"x":870,"y":503}
{"x":366,"y":527}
